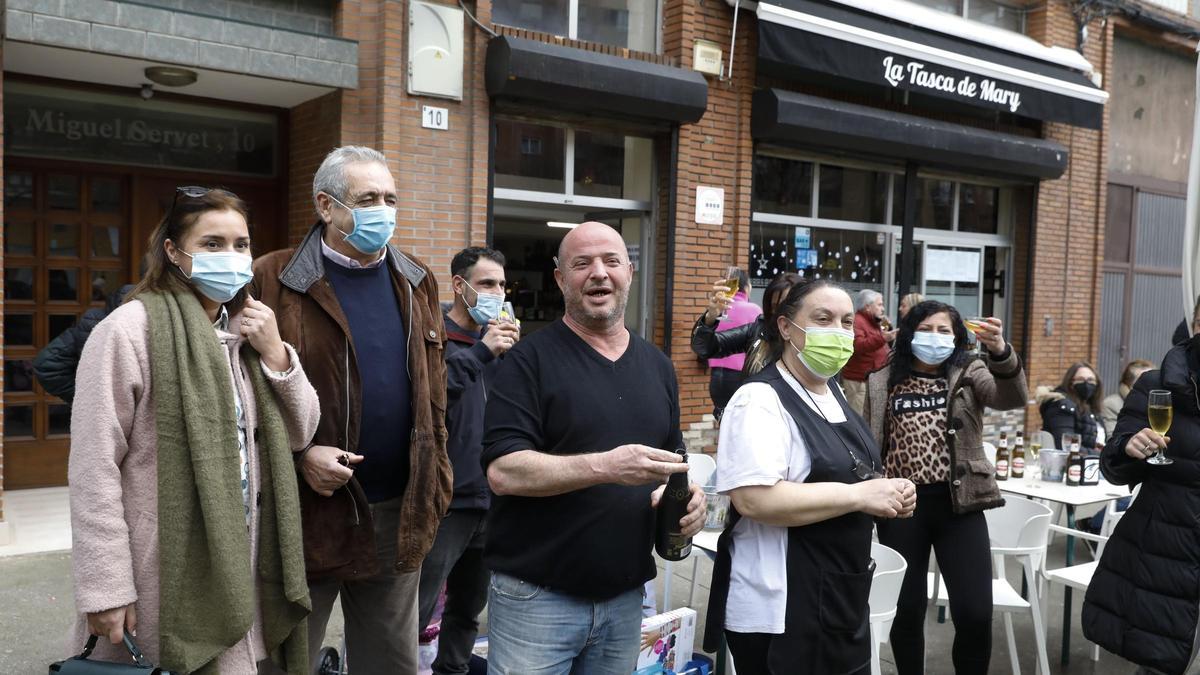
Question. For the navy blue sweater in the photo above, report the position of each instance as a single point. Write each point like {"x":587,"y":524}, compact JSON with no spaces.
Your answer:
{"x":368,"y":299}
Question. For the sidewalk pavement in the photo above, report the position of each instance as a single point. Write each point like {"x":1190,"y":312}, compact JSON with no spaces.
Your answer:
{"x":35,"y":592}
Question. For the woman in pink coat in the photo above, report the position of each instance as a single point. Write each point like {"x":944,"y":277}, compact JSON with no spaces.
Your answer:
{"x":184,"y":504}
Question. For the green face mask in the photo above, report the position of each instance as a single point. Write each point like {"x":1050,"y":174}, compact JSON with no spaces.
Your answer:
{"x":826,"y":350}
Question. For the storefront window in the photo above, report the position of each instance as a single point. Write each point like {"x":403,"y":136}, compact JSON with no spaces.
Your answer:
{"x":782,"y":186}
{"x":853,"y":194}
{"x":853,"y":259}
{"x":1002,"y":14}
{"x":631,"y":24}
{"x":599,"y":164}
{"x":977,"y":208}
{"x":997,"y":14}
{"x":935,"y":204}
{"x":543,"y":16}
{"x":530,"y":157}
{"x":18,"y":329}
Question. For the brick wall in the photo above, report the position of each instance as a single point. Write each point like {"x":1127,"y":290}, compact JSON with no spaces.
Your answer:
{"x":1070,"y":218}
{"x":441,"y":176}
{"x":717,"y":151}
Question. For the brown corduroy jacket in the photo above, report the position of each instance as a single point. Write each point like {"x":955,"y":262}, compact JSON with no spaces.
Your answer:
{"x":339,"y":537}
{"x":982,"y":382}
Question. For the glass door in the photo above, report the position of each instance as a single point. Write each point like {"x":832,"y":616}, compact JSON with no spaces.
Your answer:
{"x":953,"y":275}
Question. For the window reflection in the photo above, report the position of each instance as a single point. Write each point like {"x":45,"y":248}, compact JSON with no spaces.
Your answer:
{"x":782,"y":186}
{"x":530,"y":156}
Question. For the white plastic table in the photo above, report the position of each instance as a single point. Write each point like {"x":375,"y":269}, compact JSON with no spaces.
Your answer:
{"x":1070,"y":496}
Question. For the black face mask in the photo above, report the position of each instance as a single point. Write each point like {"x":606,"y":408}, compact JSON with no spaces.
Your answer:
{"x":1084,"y":390}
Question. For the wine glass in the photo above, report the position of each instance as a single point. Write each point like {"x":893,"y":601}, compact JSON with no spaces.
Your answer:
{"x":731,"y":281}
{"x":1035,"y":467}
{"x":1159,"y":411}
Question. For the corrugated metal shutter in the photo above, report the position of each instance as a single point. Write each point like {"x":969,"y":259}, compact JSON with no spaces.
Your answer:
{"x":1112,"y":311}
{"x":1160,"y":221}
{"x":1153,"y":316}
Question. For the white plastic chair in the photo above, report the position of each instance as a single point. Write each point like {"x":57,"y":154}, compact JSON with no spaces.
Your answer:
{"x":989,"y":451}
{"x":1018,"y":530}
{"x":1077,"y":577}
{"x":701,"y":467}
{"x":1047,"y":440}
{"x":890,"y":567}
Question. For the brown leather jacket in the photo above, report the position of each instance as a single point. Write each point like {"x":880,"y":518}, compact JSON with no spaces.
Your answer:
{"x":983,"y":382}
{"x":338,"y":531}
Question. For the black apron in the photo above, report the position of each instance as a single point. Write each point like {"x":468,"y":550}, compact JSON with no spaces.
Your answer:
{"x":829,"y":565}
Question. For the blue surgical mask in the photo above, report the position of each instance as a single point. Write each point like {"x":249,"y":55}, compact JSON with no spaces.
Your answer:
{"x":932,"y":349}
{"x":373,"y":227}
{"x":487,"y":307}
{"x":219,"y":276}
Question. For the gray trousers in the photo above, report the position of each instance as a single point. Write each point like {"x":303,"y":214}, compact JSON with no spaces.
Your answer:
{"x":380,"y":611}
{"x":456,"y":560}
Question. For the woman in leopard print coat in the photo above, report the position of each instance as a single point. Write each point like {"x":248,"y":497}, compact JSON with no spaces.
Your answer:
{"x":925,"y":408}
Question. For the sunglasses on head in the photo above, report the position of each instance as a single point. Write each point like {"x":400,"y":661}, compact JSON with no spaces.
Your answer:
{"x":193,"y":192}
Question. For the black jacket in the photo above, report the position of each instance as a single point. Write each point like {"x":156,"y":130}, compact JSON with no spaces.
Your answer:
{"x":708,"y":343}
{"x":1142,"y":602}
{"x":1061,"y":416}
{"x":469,"y":367}
{"x":55,"y":364}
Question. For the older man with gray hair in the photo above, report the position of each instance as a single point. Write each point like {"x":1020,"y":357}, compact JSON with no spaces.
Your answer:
{"x":872,"y":344}
{"x":365,"y":320}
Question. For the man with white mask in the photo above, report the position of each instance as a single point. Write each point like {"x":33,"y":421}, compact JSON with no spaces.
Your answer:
{"x":476,"y":336}
{"x":376,"y":481}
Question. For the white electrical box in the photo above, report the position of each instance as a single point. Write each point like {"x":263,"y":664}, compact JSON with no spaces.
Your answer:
{"x":435,"y":50}
{"x":706,"y":57}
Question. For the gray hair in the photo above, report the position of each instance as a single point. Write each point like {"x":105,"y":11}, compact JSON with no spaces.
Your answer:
{"x":865,"y":297}
{"x":331,"y":175}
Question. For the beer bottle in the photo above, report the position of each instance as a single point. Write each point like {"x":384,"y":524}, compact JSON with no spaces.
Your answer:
{"x":669,"y":541}
{"x":1074,"y":466}
{"x":1002,"y":457}
{"x":1018,"y":456}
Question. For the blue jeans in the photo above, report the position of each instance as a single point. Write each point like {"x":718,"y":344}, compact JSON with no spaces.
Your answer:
{"x":533,"y":630}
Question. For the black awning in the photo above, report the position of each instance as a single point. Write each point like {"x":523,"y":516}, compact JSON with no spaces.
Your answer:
{"x":788,"y":118}
{"x":815,"y":36}
{"x":590,"y":82}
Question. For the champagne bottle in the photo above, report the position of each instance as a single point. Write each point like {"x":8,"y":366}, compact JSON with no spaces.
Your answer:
{"x":669,"y":541}
{"x":1018,"y":456}
{"x":1002,"y":457}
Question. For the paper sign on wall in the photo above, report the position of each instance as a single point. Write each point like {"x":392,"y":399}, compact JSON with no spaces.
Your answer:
{"x":803,"y":237}
{"x":635,"y":255}
{"x":710,"y":205}
{"x":806,"y":258}
{"x":946,"y":265}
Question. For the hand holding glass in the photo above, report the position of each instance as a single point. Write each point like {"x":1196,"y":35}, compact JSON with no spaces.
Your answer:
{"x":1159,"y":411}
{"x":731,"y":282}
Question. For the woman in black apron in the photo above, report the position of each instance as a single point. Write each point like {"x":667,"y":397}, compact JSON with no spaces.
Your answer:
{"x":793,"y":571}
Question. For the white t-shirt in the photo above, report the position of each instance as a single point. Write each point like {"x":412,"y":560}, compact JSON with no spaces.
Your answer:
{"x":760,"y":444}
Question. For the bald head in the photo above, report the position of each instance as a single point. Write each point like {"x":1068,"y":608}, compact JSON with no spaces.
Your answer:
{"x":587,"y":232}
{"x":594,"y":275}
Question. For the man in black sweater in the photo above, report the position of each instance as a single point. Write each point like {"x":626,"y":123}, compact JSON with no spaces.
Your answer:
{"x":476,"y":335}
{"x":580,"y":425}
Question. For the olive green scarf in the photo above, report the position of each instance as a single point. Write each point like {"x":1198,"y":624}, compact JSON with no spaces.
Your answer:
{"x":207,"y":589}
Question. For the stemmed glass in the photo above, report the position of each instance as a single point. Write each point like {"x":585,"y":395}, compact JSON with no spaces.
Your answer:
{"x":1160,"y":411}
{"x":731,"y":281}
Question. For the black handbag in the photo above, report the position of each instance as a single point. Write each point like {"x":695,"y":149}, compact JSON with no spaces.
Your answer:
{"x":81,"y":665}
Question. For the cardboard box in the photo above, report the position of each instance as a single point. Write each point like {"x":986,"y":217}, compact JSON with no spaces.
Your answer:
{"x":667,"y":641}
